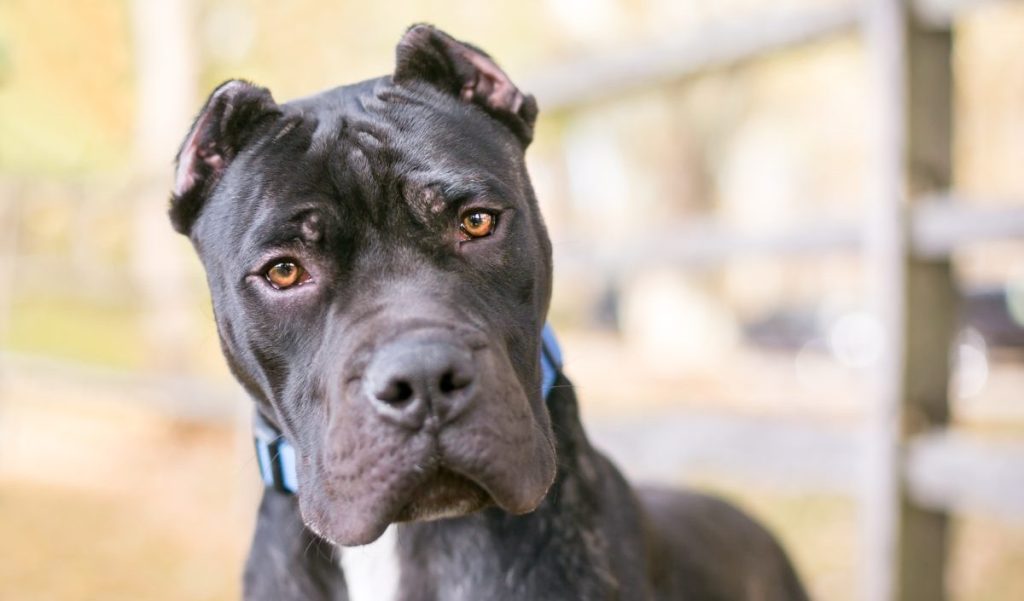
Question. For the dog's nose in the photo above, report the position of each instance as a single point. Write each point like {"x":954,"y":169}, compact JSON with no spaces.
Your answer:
{"x":406,"y":382}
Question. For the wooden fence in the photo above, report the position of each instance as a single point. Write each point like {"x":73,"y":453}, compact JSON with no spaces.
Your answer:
{"x":916,"y":471}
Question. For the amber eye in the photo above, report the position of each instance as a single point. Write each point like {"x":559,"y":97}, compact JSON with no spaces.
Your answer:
{"x":286,"y":274}
{"x":478,"y":224}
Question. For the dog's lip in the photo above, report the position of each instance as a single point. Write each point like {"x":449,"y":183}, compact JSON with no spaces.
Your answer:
{"x":509,"y":503}
{"x":404,"y":506}
{"x":440,"y":482}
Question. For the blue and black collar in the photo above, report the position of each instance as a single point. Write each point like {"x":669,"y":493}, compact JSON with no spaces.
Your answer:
{"x":276,"y":456}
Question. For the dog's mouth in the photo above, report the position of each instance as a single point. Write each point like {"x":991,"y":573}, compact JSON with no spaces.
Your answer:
{"x":440,"y":487}
{"x":445,"y":494}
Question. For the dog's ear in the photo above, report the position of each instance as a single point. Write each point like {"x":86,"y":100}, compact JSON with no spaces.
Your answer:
{"x":428,"y":54}
{"x":220,"y":132}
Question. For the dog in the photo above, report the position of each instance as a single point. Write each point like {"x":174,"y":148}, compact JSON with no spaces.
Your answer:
{"x":380,"y":276}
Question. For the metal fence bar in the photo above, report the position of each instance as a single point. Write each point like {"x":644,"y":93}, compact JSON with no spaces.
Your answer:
{"x":906,"y":544}
{"x":885,"y":249}
{"x":941,"y":224}
{"x":938,"y":226}
{"x":184,"y":398}
{"x":942,"y":13}
{"x":955,"y":472}
{"x":674,"y":58}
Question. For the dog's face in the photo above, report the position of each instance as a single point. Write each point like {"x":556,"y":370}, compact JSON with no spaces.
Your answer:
{"x":380,"y":275}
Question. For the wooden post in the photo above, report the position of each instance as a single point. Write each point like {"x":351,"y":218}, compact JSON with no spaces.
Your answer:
{"x":905,"y":553}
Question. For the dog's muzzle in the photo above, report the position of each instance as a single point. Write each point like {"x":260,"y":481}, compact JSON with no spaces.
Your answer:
{"x":438,"y":444}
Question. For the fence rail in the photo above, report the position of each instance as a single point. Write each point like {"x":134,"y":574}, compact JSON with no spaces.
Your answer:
{"x":675,"y":58}
{"x":939,"y":225}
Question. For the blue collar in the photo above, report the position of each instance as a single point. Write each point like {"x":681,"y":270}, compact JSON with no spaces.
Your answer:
{"x":276,"y":456}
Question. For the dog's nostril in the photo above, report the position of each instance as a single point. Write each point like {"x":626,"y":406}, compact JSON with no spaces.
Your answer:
{"x":397,"y":391}
{"x":451,"y":382}
{"x":404,"y":392}
{"x":447,"y":382}
{"x":408,"y":380}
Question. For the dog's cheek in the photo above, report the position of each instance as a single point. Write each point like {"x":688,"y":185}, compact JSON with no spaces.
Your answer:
{"x":517,"y":464}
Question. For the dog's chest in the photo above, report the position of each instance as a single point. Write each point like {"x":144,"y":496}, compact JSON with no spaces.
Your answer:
{"x":372,"y":571}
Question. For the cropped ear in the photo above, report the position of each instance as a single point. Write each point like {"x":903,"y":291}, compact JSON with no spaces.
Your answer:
{"x":220,"y":132}
{"x":428,"y":54}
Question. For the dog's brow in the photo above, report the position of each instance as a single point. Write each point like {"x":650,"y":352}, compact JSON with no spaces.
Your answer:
{"x":287,"y":236}
{"x":280,"y":229}
{"x":445,"y":191}
{"x":463,"y":188}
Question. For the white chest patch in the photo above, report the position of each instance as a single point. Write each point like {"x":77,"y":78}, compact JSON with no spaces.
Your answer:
{"x":372,"y":571}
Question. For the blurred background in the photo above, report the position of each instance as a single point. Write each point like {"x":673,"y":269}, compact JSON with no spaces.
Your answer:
{"x":722,"y":180}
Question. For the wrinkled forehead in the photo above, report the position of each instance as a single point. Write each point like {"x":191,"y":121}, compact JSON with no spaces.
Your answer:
{"x":410,"y":133}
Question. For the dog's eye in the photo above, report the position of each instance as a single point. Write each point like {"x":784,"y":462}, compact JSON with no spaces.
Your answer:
{"x":478,"y":224}
{"x":286,"y":274}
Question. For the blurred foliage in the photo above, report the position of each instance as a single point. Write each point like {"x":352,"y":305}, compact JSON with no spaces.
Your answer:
{"x":66,"y":94}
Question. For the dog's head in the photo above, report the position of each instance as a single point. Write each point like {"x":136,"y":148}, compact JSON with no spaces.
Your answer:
{"x":380,"y":276}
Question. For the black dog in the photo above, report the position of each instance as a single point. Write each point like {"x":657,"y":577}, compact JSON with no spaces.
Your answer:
{"x":380,"y":277}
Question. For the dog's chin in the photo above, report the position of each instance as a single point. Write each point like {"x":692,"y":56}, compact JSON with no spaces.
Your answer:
{"x":445,"y":495}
